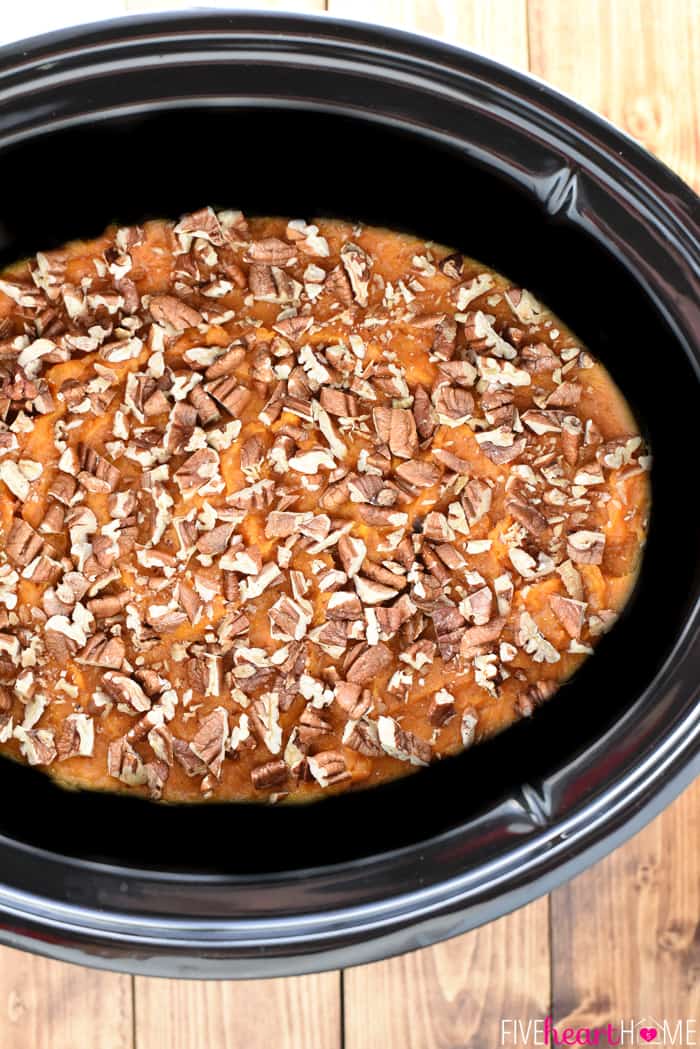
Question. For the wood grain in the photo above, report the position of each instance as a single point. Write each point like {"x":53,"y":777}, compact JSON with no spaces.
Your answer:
{"x":494,"y":27}
{"x":51,"y":1005}
{"x":295,"y":1013}
{"x":626,"y":934}
{"x":456,"y":993}
{"x":286,"y":1014}
{"x":635,"y":61}
{"x":453,"y":994}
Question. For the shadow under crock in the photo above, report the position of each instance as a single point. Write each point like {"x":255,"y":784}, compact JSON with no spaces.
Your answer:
{"x":72,"y":183}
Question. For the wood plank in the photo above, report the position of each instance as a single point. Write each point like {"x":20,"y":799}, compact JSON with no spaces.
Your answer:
{"x":495,"y":27}
{"x":51,"y":1005}
{"x":625,"y":941}
{"x":256,"y":1014}
{"x":635,"y":61}
{"x":454,"y":994}
{"x":190,"y":1014}
{"x":625,"y":935}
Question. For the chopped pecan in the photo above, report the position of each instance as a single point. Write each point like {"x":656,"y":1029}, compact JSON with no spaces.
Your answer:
{"x":361,"y":735}
{"x":369,"y":662}
{"x":226,"y":364}
{"x":97,"y":475}
{"x":424,"y":413}
{"x":187,"y":759}
{"x":445,"y":339}
{"x":209,"y":744}
{"x":419,"y":473}
{"x":167,"y":309}
{"x":454,"y":402}
{"x":125,"y":691}
{"x":586,"y":547}
{"x":338,"y":285}
{"x":534,"y":696}
{"x":450,"y":626}
{"x":357,"y":265}
{"x":505,"y":452}
{"x":398,"y":743}
{"x":271,"y":774}
{"x":353,"y":699}
{"x":204,"y":405}
{"x":338,"y":402}
{"x":477,"y":637}
{"x":328,"y":768}
{"x":230,"y":394}
{"x":270,"y":250}
{"x":36,"y":745}
{"x":111,"y":605}
{"x":397,"y":427}
{"x":76,"y":737}
{"x":201,"y":467}
{"x":527,"y":515}
{"x":442,"y":708}
{"x":570,"y":613}
{"x":566,"y":395}
{"x":23,"y":544}
{"x":272,"y":284}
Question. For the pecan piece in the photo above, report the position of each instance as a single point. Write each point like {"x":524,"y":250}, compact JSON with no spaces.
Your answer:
{"x":442,"y":708}
{"x":96,"y":474}
{"x":226,"y":364}
{"x":271,"y":774}
{"x":370,"y":661}
{"x":230,"y":394}
{"x":338,"y":402}
{"x":419,"y":473}
{"x":76,"y":738}
{"x":125,"y":691}
{"x":167,"y":309}
{"x":586,"y":547}
{"x":534,"y":696}
{"x":477,"y":637}
{"x":570,"y":613}
{"x":454,"y":402}
{"x":357,"y":265}
{"x":329,"y":768}
{"x":338,"y":285}
{"x":352,"y":699}
{"x":36,"y":745}
{"x":397,"y":428}
{"x":23,"y":544}
{"x":209,"y":744}
{"x":450,"y":625}
{"x":527,"y":515}
{"x":424,"y":413}
{"x":445,"y":340}
{"x":361,"y":735}
{"x":398,"y":743}
{"x":270,"y":250}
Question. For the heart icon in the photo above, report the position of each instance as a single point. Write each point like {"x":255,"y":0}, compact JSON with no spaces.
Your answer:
{"x":648,"y":1033}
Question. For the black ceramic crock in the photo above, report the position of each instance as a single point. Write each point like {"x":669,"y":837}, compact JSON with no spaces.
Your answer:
{"x":305,"y":116}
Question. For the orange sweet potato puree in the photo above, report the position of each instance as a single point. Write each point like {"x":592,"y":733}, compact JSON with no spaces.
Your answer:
{"x":190,"y":684}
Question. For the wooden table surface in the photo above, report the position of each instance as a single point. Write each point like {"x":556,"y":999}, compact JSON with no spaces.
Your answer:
{"x":620,"y":941}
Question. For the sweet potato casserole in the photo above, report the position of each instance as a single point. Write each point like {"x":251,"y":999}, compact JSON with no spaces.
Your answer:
{"x":290,"y":508}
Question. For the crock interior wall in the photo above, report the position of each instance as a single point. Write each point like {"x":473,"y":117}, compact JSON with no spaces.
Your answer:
{"x":73,"y":183}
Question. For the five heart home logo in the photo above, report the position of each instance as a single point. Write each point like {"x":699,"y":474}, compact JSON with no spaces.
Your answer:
{"x":644,"y":1031}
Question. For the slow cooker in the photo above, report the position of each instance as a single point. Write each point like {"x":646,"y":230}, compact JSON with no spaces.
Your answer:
{"x":308,"y":116}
